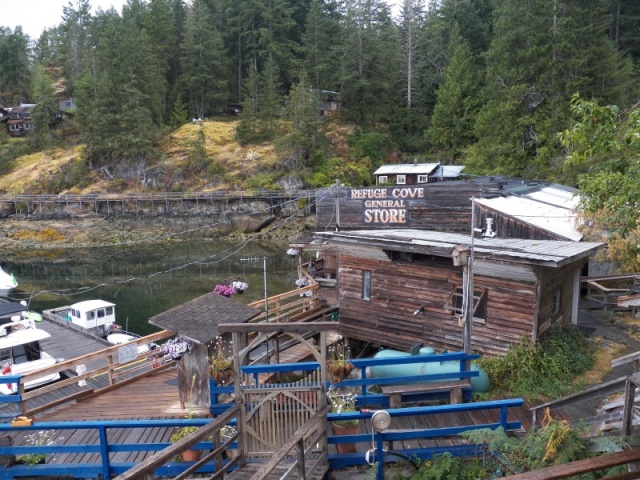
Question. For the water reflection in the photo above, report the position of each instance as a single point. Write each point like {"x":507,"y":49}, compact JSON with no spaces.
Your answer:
{"x":145,"y":281}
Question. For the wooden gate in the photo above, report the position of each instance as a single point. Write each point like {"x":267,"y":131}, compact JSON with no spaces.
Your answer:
{"x":277,"y":399}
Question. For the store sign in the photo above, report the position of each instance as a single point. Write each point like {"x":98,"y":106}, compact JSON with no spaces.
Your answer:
{"x":386,"y":205}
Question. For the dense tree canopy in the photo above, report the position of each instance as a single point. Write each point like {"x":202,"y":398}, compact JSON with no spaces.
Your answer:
{"x":482,"y":82}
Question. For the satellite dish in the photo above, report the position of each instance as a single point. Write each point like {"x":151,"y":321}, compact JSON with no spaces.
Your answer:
{"x":380,"y":420}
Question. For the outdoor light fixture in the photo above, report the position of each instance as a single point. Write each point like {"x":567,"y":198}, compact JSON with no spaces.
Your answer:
{"x":419,"y":311}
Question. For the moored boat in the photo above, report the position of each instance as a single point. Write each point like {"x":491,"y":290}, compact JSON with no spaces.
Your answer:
{"x":8,"y":282}
{"x":20,"y":350}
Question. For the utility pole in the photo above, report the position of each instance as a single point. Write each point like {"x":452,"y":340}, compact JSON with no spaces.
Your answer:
{"x":468,"y":284}
{"x":337,"y":206}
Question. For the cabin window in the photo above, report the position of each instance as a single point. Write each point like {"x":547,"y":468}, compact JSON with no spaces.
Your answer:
{"x":479,"y":304}
{"x":557,"y":301}
{"x":366,"y":285}
{"x":383,"y":179}
{"x":401,"y":179}
{"x":109,"y":311}
{"x":28,"y":352}
{"x":14,"y":127}
{"x":100,"y":313}
{"x":5,"y":354}
{"x":90,"y":315}
{"x":423,"y":178}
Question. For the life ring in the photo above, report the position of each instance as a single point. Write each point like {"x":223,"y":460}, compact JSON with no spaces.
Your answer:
{"x":7,"y":371}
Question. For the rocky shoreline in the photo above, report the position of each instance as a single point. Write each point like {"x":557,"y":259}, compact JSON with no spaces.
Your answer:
{"x":18,"y":236}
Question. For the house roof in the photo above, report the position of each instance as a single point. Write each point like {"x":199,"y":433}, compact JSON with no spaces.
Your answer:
{"x":548,"y":207}
{"x":449,"y":171}
{"x":407,"y":168}
{"x":198,"y":319}
{"x":549,"y":253}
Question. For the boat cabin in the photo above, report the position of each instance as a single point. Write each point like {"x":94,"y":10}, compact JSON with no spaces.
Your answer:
{"x":93,"y":314}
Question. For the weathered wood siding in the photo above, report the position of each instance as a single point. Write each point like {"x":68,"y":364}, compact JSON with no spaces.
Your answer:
{"x":506,"y":226}
{"x":557,"y":280}
{"x":398,"y":289}
{"x":444,"y":206}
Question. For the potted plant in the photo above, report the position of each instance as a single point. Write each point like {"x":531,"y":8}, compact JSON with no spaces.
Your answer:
{"x":302,"y":282}
{"x":179,"y":434}
{"x":239,"y":286}
{"x":292,"y":252}
{"x":37,"y":439}
{"x":338,"y":365}
{"x":224,"y":290}
{"x":221,"y":365}
{"x":343,"y":401}
{"x":176,"y":347}
{"x":227,"y":433}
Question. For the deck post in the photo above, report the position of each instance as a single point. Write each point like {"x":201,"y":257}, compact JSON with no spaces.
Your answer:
{"x":300,"y":458}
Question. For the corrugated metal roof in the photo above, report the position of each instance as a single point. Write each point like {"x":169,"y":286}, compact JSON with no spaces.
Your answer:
{"x":449,"y":171}
{"x":553,"y":253}
{"x":407,"y":169}
{"x":560,"y":220}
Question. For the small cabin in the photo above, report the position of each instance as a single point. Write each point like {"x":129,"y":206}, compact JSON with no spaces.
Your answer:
{"x":93,"y":314}
{"x":416,"y":173}
{"x":405,"y":286}
{"x":18,"y":120}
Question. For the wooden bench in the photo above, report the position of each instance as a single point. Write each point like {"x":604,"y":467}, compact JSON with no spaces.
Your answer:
{"x":455,"y":388}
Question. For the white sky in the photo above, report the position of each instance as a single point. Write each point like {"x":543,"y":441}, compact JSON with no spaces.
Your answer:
{"x":36,"y":15}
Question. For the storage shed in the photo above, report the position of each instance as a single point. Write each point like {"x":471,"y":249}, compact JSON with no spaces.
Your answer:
{"x":401,"y":287}
{"x":197,"y":321}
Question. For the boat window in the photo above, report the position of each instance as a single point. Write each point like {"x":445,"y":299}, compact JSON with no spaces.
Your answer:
{"x":26,"y":353}
{"x":91,"y":315}
{"x":75,"y":313}
{"x":5,"y":354}
{"x":109,"y":310}
{"x":100,"y":313}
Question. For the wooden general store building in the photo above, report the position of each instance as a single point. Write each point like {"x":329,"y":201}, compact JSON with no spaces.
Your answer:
{"x":400,"y":287}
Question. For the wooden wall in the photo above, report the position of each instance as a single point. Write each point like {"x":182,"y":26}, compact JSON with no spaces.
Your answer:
{"x":508,"y":227}
{"x":397,"y":290}
{"x":444,"y":206}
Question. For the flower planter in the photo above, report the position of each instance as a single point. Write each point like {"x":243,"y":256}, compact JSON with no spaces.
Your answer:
{"x":191,"y":455}
{"x":339,"y":371}
{"x":239,"y":292}
{"x":222,"y":376}
{"x":345,"y":430}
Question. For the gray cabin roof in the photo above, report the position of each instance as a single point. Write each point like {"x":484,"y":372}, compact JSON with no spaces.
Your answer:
{"x":407,"y":169}
{"x":198,"y":319}
{"x":549,"y":253}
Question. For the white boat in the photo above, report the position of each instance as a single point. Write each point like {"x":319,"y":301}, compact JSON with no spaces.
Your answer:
{"x":119,"y":337}
{"x":20,"y":352}
{"x":7,"y":282}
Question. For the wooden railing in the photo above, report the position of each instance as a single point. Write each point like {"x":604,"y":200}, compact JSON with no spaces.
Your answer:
{"x":207,"y":438}
{"x":309,"y":438}
{"x":104,"y":363}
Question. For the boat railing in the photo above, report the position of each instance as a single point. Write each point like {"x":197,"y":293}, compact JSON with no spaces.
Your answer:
{"x":93,"y":372}
{"x":103,"y":463}
{"x":5,"y":328}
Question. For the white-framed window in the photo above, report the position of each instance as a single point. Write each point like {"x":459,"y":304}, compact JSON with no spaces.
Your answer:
{"x":366,"y":285}
{"x":28,"y":126}
{"x":382,"y":179}
{"x":423,"y":178}
{"x":14,"y":127}
{"x":479,"y":304}
{"x":401,"y":179}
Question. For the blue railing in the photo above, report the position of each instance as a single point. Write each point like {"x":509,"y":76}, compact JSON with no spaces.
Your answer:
{"x":104,"y":466}
{"x":367,"y":397}
{"x":13,"y":380}
{"x":337,"y":461}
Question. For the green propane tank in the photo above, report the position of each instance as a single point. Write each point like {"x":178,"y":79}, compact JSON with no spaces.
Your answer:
{"x":479,"y":384}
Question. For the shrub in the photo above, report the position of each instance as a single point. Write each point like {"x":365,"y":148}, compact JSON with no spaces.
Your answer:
{"x":545,"y":369}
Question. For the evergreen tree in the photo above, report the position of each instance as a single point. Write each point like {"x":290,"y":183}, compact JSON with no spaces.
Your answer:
{"x":44,"y":113}
{"x":74,"y":40}
{"x":15,"y":78}
{"x":457,"y":106}
{"x":205,"y":64}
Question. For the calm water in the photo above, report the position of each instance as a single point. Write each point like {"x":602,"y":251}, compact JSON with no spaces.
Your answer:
{"x":145,"y":281}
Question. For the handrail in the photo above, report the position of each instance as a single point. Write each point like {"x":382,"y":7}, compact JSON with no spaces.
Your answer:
{"x":115,"y":372}
{"x":297,"y":441}
{"x":586,"y":465}
{"x":159,"y":462}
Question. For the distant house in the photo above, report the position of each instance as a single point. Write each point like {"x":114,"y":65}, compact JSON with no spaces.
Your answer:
{"x":18,"y":120}
{"x":67,"y":104}
{"x":401,"y":287}
{"x":416,"y":173}
{"x":330,"y":103}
